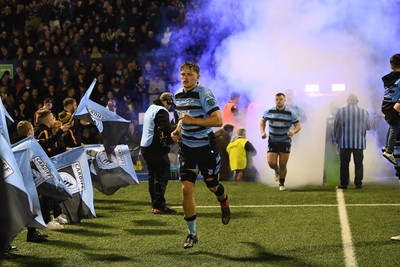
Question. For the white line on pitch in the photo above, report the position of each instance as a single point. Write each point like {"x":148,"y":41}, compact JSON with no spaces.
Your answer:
{"x":297,"y":205}
{"x":348,"y":248}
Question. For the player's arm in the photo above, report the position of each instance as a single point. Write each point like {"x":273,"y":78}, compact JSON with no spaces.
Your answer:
{"x":214,"y":120}
{"x":262,"y":128}
{"x":176,"y":134}
{"x":397,"y":106}
{"x":295,"y":130}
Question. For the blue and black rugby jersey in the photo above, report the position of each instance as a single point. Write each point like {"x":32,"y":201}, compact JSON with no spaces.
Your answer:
{"x":198,"y":103}
{"x":280,"y":122}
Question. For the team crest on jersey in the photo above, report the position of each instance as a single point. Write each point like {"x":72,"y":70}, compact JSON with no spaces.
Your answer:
{"x":211,"y":102}
{"x":189,"y":101}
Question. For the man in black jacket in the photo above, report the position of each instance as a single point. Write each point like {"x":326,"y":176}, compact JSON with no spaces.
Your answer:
{"x":156,"y":138}
{"x":51,"y":143}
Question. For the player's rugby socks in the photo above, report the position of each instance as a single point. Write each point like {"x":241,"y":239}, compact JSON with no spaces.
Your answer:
{"x":191,"y":223}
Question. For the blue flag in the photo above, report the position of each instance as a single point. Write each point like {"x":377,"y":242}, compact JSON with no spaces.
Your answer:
{"x":113,"y":171}
{"x":47,"y":179}
{"x":74,"y":170}
{"x":3,"y":122}
{"x":23,"y":160}
{"x":111,"y":126}
{"x":19,"y":204}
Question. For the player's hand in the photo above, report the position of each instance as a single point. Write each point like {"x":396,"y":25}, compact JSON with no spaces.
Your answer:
{"x":263,"y":135}
{"x":176,"y":136}
{"x":65,"y":127}
{"x":290,"y":133}
{"x":186,"y":118}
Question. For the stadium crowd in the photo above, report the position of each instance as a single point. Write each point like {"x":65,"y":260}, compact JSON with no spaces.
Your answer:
{"x":57,"y":47}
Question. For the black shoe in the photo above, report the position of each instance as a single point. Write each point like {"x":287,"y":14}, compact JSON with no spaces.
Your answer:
{"x":165,"y":210}
{"x":36,"y":238}
{"x":358,"y":186}
{"x":341,"y":187}
{"x":11,"y":247}
{"x":190,"y":241}
{"x":225,"y":213}
{"x":39,"y":233}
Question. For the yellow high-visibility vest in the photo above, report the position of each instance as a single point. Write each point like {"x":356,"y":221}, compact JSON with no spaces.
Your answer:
{"x":237,"y":154}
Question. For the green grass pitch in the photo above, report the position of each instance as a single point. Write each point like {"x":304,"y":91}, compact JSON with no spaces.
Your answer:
{"x":297,"y":227}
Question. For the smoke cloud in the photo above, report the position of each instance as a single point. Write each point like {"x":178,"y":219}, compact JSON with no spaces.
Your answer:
{"x":260,"y":48}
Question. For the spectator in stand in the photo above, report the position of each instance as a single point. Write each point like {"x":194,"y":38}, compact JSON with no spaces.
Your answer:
{"x":37,"y":73}
{"x":112,"y":106}
{"x":47,"y":105}
{"x":26,"y":100}
{"x":26,"y":88}
{"x":142,"y":98}
{"x":7,"y":98}
{"x":36,"y":99}
{"x":6,"y":80}
{"x":99,"y":94}
{"x":156,"y":87}
{"x":133,"y":135}
{"x":96,"y":53}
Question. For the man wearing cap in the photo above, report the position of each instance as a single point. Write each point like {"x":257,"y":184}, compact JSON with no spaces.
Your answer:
{"x":156,"y":138}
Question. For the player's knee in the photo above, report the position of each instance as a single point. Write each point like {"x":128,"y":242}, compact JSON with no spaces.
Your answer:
{"x":272,"y":165}
{"x":211,"y":182}
{"x":220,"y":190}
{"x":187,"y":189}
{"x":188,"y":175}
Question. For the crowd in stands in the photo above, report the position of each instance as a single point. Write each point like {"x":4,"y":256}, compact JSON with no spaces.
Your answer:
{"x":57,"y":47}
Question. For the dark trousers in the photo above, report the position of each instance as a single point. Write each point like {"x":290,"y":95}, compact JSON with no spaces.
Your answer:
{"x":48,"y":206}
{"x":358,"y":157}
{"x":159,"y":173}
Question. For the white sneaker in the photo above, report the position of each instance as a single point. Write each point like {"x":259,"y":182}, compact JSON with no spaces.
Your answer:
{"x":282,"y":188}
{"x":277,"y":176}
{"x":395,"y":238}
{"x":53,"y":225}
{"x":61,"y":219}
{"x":389,"y":157}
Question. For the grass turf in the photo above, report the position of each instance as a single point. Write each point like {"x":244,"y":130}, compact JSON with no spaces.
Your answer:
{"x":298,"y":227}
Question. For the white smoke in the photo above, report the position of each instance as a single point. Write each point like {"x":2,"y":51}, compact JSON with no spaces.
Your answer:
{"x":287,"y":44}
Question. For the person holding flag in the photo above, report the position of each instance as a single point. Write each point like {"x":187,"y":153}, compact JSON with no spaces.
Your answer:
{"x":65,"y":117}
{"x":198,"y":112}
{"x":25,"y":129}
{"x":52,"y":145}
{"x":156,"y":137}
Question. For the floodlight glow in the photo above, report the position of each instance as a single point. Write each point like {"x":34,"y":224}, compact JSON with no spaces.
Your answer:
{"x":310,"y":88}
{"x":338,"y":87}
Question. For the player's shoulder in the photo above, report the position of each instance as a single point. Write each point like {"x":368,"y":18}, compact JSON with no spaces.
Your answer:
{"x":202,"y":89}
{"x":270,"y":109}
